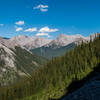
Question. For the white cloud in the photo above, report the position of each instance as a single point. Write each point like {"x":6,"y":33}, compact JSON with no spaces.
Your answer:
{"x":1,"y":24}
{"x":20,"y":23}
{"x":31,"y":29}
{"x":19,"y":29}
{"x":43,"y":34}
{"x":47,"y":29}
{"x":42,"y":8}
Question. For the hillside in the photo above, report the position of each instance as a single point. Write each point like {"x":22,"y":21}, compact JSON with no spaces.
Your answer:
{"x":86,"y":89}
{"x":52,"y":80}
{"x":17,"y":63}
{"x":50,"y":51}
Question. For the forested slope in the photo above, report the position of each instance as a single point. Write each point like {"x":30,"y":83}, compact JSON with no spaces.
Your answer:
{"x":50,"y":51}
{"x":52,"y":80}
{"x":86,"y":89}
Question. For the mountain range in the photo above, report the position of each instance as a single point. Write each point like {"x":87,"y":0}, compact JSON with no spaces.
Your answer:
{"x":20,"y":55}
{"x":35,"y":42}
{"x":59,"y":46}
{"x":29,"y":75}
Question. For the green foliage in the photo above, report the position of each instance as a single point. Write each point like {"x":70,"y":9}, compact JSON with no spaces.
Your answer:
{"x":53,"y":79}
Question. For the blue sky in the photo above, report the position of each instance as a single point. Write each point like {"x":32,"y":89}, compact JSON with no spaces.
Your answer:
{"x":49,"y":18}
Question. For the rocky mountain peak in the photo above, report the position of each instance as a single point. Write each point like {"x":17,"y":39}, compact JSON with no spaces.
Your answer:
{"x":63,"y":40}
{"x":31,"y":42}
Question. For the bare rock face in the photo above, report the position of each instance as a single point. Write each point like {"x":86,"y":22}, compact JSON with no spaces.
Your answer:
{"x":29,"y":42}
{"x":63,"y":40}
{"x":7,"y":65}
{"x":16,"y":63}
{"x":36,"y":42}
{"x":8,"y":43}
{"x":32,"y":42}
{"x":7,"y":56}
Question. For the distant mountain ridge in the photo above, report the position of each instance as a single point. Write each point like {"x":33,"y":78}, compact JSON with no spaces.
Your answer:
{"x":52,"y":51}
{"x":63,"y":40}
{"x":32,"y":42}
{"x":60,"y":45}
